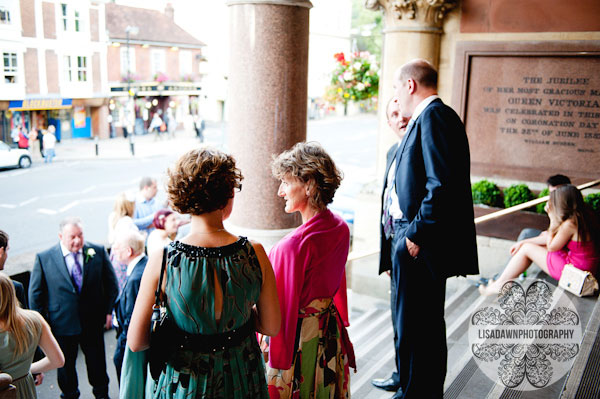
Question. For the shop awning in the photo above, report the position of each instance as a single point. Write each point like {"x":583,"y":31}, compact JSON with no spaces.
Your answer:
{"x":40,"y":104}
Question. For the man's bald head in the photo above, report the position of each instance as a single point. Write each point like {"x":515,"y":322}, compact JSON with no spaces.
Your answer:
{"x":421,"y":71}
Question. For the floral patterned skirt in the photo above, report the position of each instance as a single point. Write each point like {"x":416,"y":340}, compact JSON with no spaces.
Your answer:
{"x":321,"y":365}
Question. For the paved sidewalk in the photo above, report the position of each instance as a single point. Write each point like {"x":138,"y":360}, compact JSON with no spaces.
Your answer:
{"x":145,"y":146}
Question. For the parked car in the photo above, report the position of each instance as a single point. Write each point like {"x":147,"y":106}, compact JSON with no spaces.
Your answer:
{"x":14,"y":157}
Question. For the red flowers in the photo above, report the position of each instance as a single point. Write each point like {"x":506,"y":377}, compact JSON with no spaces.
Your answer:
{"x":339,"y":57}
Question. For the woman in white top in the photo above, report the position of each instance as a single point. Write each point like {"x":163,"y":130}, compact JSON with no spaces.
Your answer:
{"x":121,"y":216}
{"x":120,"y":219}
{"x":166,"y":223}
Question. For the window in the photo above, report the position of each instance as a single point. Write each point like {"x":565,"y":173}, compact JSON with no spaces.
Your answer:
{"x":4,"y":16}
{"x":76,"y":68}
{"x":71,"y":18}
{"x":185,"y":62}
{"x":69,"y":76}
{"x":77,"y":20}
{"x":10,"y":67}
{"x":65,"y":19}
{"x":125,"y":58}
{"x":82,"y":69}
{"x":157,"y":61}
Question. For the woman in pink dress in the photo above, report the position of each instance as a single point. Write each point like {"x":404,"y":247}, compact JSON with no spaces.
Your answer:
{"x":312,"y":355}
{"x":571,"y":238}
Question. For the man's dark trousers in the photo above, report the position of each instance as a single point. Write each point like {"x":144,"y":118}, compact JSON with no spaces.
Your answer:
{"x":393,"y":295}
{"x":92,"y":346}
{"x":421,"y":351}
{"x":119,"y":353}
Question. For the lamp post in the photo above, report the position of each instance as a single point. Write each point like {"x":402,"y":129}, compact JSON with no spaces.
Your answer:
{"x":129,"y":30}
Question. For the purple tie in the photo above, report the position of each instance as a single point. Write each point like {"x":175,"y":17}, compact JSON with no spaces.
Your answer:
{"x":76,"y":272}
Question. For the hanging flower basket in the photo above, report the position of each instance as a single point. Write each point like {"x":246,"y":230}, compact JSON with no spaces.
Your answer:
{"x":355,"y":79}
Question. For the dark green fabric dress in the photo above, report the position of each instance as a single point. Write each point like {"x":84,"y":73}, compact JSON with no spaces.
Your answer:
{"x":234,"y":373}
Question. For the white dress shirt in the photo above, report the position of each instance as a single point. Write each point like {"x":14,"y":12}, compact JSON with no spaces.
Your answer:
{"x":394,"y":208}
{"x":131,"y":265}
{"x":69,"y":259}
{"x":421,"y":107}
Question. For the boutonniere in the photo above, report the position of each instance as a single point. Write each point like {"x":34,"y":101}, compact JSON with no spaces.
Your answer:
{"x":89,"y":254}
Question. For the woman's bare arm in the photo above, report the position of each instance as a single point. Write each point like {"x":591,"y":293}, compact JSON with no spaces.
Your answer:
{"x":268,"y":320}
{"x":565,"y":233}
{"x":54,"y":357}
{"x":138,"y":335}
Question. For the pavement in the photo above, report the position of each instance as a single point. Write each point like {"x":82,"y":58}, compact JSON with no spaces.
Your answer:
{"x":144,"y":146}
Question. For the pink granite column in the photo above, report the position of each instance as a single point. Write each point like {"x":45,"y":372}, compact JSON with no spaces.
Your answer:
{"x":266,"y":106}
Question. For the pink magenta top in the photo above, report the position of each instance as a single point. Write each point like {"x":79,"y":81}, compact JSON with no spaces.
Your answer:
{"x":309,"y":263}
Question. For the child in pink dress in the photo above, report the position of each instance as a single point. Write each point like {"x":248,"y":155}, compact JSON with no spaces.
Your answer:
{"x":572,"y":238}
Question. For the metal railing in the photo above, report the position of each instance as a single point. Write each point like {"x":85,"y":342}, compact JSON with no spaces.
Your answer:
{"x":355,"y":255}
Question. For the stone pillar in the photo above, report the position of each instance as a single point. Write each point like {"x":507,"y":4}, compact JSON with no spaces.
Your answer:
{"x":266,"y":105}
{"x":413,"y":29}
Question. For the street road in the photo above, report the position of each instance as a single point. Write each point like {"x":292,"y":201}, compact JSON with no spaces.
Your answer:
{"x":33,"y":201}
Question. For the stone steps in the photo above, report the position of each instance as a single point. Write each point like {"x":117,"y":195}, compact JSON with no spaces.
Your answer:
{"x":372,"y":335}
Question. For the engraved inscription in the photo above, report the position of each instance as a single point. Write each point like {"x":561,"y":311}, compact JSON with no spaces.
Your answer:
{"x":535,"y":112}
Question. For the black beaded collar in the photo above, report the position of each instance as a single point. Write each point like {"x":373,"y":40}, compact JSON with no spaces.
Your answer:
{"x":193,"y":251}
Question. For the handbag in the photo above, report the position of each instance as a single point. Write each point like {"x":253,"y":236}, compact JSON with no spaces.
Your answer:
{"x":578,"y":282}
{"x":160,"y":328}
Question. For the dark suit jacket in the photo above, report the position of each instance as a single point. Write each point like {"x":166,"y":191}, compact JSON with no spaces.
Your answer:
{"x":20,"y":291}
{"x":434,"y":192}
{"x":126,"y":300}
{"x":53,"y":293}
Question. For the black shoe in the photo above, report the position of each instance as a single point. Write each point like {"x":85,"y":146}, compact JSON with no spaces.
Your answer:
{"x":398,"y":395}
{"x":387,"y":384}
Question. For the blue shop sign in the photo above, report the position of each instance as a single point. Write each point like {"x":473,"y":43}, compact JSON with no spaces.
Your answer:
{"x":40,"y":104}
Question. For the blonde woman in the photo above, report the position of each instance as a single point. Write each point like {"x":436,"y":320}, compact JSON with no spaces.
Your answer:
{"x":121,"y":216}
{"x":121,"y":219}
{"x":21,"y":332}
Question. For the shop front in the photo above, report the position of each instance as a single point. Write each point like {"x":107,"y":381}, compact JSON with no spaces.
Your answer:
{"x":72,"y":118}
{"x":133,"y":105}
{"x":35,"y":114}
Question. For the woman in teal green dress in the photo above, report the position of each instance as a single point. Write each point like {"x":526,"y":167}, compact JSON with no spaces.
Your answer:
{"x":21,"y":331}
{"x":220,"y":290}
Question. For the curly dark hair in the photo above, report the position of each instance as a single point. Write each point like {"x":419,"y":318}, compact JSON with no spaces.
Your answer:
{"x":202,"y":181}
{"x":309,"y":162}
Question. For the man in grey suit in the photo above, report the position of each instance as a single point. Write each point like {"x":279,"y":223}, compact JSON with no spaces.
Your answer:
{"x":74,"y":287}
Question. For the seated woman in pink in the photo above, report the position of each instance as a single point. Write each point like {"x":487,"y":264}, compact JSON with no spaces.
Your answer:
{"x":311,"y":354}
{"x":572,"y":238}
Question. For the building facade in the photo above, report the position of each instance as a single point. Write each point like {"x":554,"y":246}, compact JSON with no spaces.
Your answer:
{"x":65,"y":64}
{"x":54,"y":66}
{"x":153,"y":68}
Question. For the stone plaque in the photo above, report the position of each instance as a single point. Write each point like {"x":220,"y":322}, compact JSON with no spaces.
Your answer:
{"x":530,"y":114}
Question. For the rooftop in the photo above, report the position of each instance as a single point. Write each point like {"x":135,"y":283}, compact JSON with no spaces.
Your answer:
{"x":154,"y":27}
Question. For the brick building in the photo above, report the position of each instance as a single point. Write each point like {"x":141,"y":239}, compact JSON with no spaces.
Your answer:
{"x":54,"y":67}
{"x":153,"y":67}
{"x":64,"y":63}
